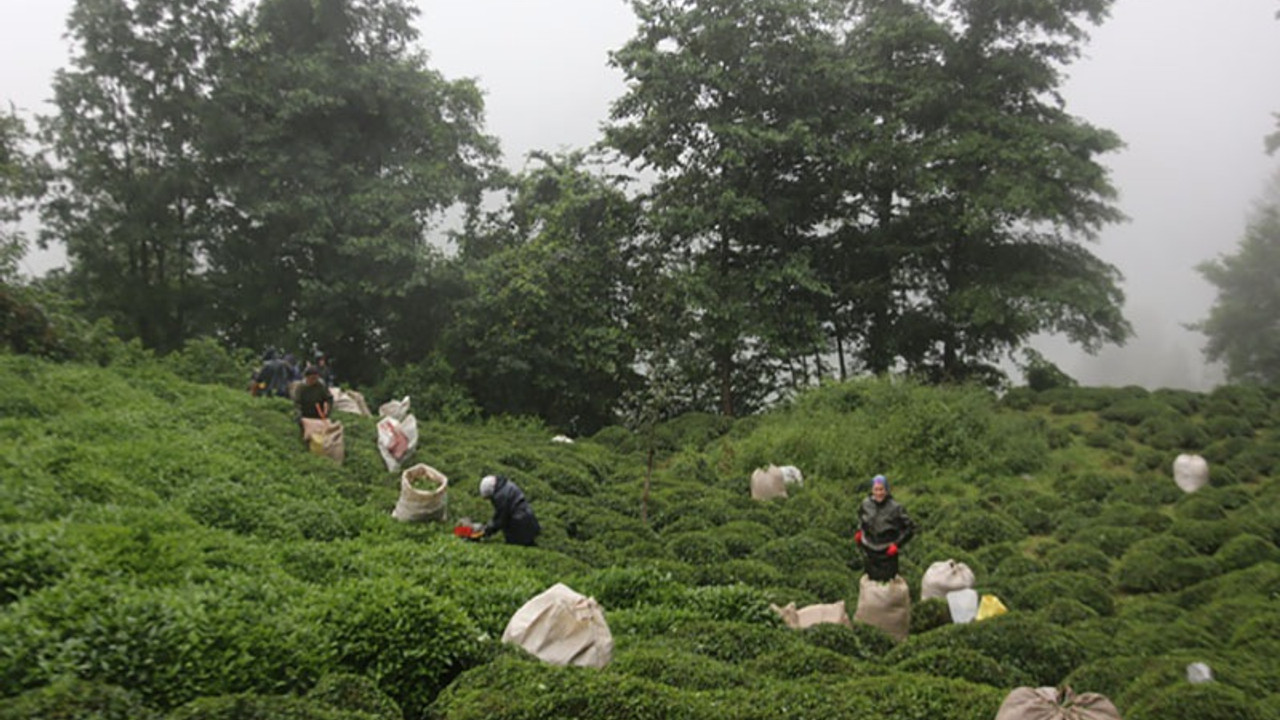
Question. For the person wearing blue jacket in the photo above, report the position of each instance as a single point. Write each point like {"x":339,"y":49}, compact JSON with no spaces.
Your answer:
{"x":511,"y":511}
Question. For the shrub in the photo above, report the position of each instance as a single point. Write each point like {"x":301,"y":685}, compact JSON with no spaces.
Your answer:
{"x":1207,"y":701}
{"x":739,"y":603}
{"x":1134,"y":410}
{"x":961,"y":664}
{"x":1161,"y":564}
{"x":248,"y":706}
{"x":803,"y":661}
{"x":1206,"y":536}
{"x":1044,"y":652}
{"x":29,"y":560}
{"x":662,"y":664}
{"x":698,"y":548}
{"x":410,"y":640}
{"x":1107,"y":675}
{"x":356,"y":693}
{"x":1067,"y":611}
{"x":860,"y":642}
{"x":748,"y":572}
{"x":70,"y":698}
{"x":930,"y":614}
{"x":1077,"y":556}
{"x":1172,"y":432}
{"x":971,"y":530}
{"x":1042,"y":590}
{"x":1245,"y":550}
{"x":920,"y":697}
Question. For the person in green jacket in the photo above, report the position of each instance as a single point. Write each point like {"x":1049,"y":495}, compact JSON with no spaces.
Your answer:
{"x":314,"y":398}
{"x":883,"y":528}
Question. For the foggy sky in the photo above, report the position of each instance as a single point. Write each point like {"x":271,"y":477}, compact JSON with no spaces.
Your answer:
{"x":1189,"y":85}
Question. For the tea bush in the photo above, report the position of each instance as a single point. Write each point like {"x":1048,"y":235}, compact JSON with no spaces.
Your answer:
{"x":70,"y":698}
{"x":962,"y":664}
{"x":1087,"y":588}
{"x":357,"y":693}
{"x":1207,"y":701}
{"x":1044,"y":652}
{"x":860,"y":642}
{"x":1163,"y":563}
{"x":662,"y":664}
{"x":1245,"y":550}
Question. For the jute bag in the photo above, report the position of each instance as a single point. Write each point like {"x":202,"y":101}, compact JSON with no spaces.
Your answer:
{"x":422,"y":505}
{"x":811,"y":615}
{"x":943,"y":577}
{"x":885,"y":605}
{"x":1047,"y":703}
{"x":324,"y":437}
{"x":562,"y":627}
{"x":768,"y":484}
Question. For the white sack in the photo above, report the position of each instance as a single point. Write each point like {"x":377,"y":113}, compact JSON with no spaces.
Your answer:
{"x":885,"y":605}
{"x":963,"y":605}
{"x":1199,"y":673}
{"x":943,"y":577}
{"x":397,"y":440}
{"x":349,"y":401}
{"x":811,"y":615}
{"x":1191,"y":472}
{"x":791,"y":475}
{"x":768,"y":484}
{"x":416,"y":505}
{"x":562,"y":627}
{"x":398,"y":409}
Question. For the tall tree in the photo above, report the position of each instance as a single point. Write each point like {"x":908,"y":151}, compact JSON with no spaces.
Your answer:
{"x":729,"y":104}
{"x":22,"y":177}
{"x":1241,"y":327}
{"x":1005,"y":184}
{"x":130,"y":193}
{"x":337,"y":148}
{"x":547,"y":328}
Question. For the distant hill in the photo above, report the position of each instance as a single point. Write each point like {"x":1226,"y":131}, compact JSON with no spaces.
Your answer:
{"x":169,"y":549}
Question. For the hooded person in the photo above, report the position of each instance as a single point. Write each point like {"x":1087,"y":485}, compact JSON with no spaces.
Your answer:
{"x":883,"y":528}
{"x":511,"y":512}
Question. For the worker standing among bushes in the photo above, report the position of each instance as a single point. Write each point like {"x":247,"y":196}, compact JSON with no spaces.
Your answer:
{"x":883,"y":528}
{"x":511,"y":511}
{"x":314,"y":398}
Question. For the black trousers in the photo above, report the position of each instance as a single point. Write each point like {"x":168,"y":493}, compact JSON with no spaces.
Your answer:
{"x":879,"y":566}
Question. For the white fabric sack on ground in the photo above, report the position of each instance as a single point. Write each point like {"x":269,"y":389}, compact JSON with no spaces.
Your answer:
{"x":398,"y":409}
{"x":1190,"y":472}
{"x":963,"y":605}
{"x":397,"y":440}
{"x":943,"y":577}
{"x":562,"y":627}
{"x":1027,"y":703}
{"x":885,"y":605}
{"x":811,"y":615}
{"x":420,"y":505}
{"x":767,"y":484}
{"x":1199,"y":673}
{"x":349,"y":401}
{"x":791,"y":475}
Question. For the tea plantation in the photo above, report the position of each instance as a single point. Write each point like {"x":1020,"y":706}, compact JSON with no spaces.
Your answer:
{"x":168,"y":549}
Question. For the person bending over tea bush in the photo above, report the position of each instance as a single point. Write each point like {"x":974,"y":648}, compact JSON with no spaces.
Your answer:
{"x":883,"y":528}
{"x":511,"y":511}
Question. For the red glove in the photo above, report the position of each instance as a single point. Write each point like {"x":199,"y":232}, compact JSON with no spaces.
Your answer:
{"x":893,"y":550}
{"x":857,"y":538}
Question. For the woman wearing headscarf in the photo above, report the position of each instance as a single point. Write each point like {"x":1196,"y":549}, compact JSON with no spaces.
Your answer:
{"x":883,"y":528}
{"x":511,"y":512}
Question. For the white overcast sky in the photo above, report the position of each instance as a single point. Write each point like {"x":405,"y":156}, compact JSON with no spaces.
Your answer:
{"x":1190,"y":85}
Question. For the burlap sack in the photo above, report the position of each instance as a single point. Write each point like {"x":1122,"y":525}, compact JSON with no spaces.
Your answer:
{"x":1044,"y":703}
{"x":1190,"y":472}
{"x":767,"y":484}
{"x":422,"y":505}
{"x":885,"y":605}
{"x":562,"y":627}
{"x":324,"y":437}
{"x":943,"y":577}
{"x":349,"y":401}
{"x":811,"y":615}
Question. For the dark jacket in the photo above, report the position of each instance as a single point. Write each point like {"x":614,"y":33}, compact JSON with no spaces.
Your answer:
{"x":275,"y":376}
{"x":311,"y":395}
{"x":884,"y":523}
{"x":512,"y":514}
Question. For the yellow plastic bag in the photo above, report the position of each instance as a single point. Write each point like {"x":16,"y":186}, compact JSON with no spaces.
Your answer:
{"x":989,"y":607}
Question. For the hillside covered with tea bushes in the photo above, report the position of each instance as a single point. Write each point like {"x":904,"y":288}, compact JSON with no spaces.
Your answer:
{"x":168,"y":549}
